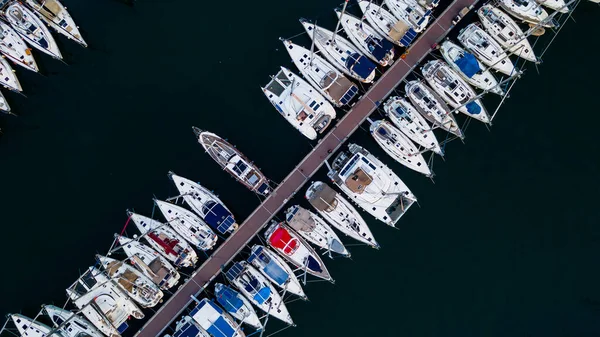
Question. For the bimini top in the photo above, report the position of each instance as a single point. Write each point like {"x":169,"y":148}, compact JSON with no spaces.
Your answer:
{"x":379,"y":47}
{"x":268,"y":266}
{"x":210,"y":317}
{"x":282,"y":239}
{"x":468,"y":64}
{"x":228,"y":298}
{"x":360,"y":65}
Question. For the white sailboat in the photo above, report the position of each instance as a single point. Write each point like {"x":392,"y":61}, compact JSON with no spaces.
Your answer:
{"x":469,"y":68}
{"x":487,"y":50}
{"x":371,"y":184}
{"x":165,"y":240}
{"x":367,"y":39}
{"x":8,"y":78}
{"x":299,"y":103}
{"x":56,"y":16}
{"x":506,"y":32}
{"x":188,"y":225}
{"x":411,"y":123}
{"x":454,"y":90}
{"x":210,"y":317}
{"x":153,"y":265}
{"x":15,"y":49}
{"x":32,"y":29}
{"x":275,"y":270}
{"x":237,"y":305}
{"x":432,"y":107}
{"x":527,"y":10}
{"x":30,"y":328}
{"x":324,"y":77}
{"x":314,"y":230}
{"x":69,"y":323}
{"x":341,"y":53}
{"x":399,"y":147}
{"x":339,"y":213}
{"x":396,"y":31}
{"x":410,"y":12}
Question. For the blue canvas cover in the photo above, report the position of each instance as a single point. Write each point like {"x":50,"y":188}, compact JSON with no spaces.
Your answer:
{"x":122,"y":327}
{"x":262,"y":295}
{"x":313,"y":264}
{"x":217,"y":216}
{"x":379,"y":48}
{"x":187,"y":330}
{"x":361,"y":65}
{"x":468,"y":65}
{"x":221,"y":328}
{"x":271,"y":268}
{"x":228,"y":298}
{"x":473,"y":108}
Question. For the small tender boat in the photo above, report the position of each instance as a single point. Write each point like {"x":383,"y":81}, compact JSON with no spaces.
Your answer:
{"x":206,"y":204}
{"x":132,"y":282}
{"x":506,"y":32}
{"x":454,"y":90}
{"x":341,"y":53}
{"x":299,"y":103}
{"x":411,"y":123}
{"x":55,"y":15}
{"x":31,"y":29}
{"x":339,"y":212}
{"x":399,"y":147}
{"x":8,"y":78}
{"x":187,"y":327}
{"x":258,"y":290}
{"x":233,"y":161}
{"x":102,"y":303}
{"x":30,"y":328}
{"x":165,"y":240}
{"x":527,"y":10}
{"x":71,"y":325}
{"x":188,"y":225}
{"x":411,"y":12}
{"x":469,"y":68}
{"x":324,"y":77}
{"x":486,"y":49}
{"x":396,"y":31}
{"x":432,"y":107}
{"x":210,"y":317}
{"x":153,"y":265}
{"x":367,"y":39}
{"x":237,"y":305}
{"x":275,"y":270}
{"x":314,"y":230}
{"x":13,"y":47}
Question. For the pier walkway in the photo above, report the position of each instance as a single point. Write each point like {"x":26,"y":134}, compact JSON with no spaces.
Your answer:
{"x":171,"y":310}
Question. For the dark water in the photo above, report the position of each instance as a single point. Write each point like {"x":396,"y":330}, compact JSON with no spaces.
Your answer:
{"x":506,"y":242}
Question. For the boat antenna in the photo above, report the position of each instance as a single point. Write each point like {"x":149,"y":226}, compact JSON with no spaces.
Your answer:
{"x":312,"y":45}
{"x":337,"y":26}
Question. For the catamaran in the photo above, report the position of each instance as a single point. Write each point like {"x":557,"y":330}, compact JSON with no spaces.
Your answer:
{"x":506,"y":32}
{"x":30,"y":328}
{"x":295,"y":250}
{"x":411,"y":12}
{"x":258,"y":290}
{"x":371,"y":184}
{"x":399,"y":147}
{"x":102,"y":303}
{"x":275,"y":270}
{"x":153,"y":265}
{"x":339,"y":212}
{"x":411,"y":123}
{"x":206,"y":204}
{"x":30,"y":28}
{"x":367,"y":39}
{"x":137,"y":286}
{"x":188,"y":225}
{"x":210,"y":317}
{"x":528,"y":11}
{"x":432,"y":107}
{"x":55,"y":15}
{"x":454,"y":90}
{"x":165,"y":240}
{"x":488,"y":51}
{"x":324,"y":77}
{"x":8,"y":78}
{"x":13,"y":47}
{"x":69,"y":323}
{"x":341,"y":53}
{"x":299,"y":103}
{"x":396,"y":31}
{"x":469,"y":68}
{"x":233,"y":161}
{"x":314,"y":230}
{"x":237,"y":306}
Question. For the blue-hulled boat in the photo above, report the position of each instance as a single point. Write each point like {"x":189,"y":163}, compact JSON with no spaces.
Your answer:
{"x":214,"y":320}
{"x":275,"y":269}
{"x":237,"y":305}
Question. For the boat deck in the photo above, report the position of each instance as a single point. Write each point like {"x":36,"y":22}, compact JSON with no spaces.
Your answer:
{"x":170,"y":310}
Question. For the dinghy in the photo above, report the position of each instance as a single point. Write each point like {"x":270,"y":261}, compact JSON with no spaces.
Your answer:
{"x":30,"y":328}
{"x":411,"y":123}
{"x":323,"y":76}
{"x":237,"y":306}
{"x":411,"y":12}
{"x":528,"y":11}
{"x":205,"y":204}
{"x":314,"y":230}
{"x":13,"y":47}
{"x":149,"y":262}
{"x":210,"y":317}
{"x":341,"y":53}
{"x":486,"y":49}
{"x":396,"y":31}
{"x":258,"y":290}
{"x":339,"y":213}
{"x":56,"y":16}
{"x":299,"y":103}
{"x":70,"y":324}
{"x":165,"y":240}
{"x":275,"y":270}
{"x":469,"y":68}
{"x":233,"y":161}
{"x":188,"y":225}
{"x":31,"y":29}
{"x":454,"y":90}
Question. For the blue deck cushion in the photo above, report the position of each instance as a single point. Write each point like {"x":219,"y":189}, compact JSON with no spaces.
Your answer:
{"x":379,"y":48}
{"x":187,"y":330}
{"x":313,"y":264}
{"x":361,"y":65}
{"x":217,"y":216}
{"x":473,"y":108}
{"x":221,"y":328}
{"x":229,"y":299}
{"x":122,"y":327}
{"x":262,"y":295}
{"x":468,"y":65}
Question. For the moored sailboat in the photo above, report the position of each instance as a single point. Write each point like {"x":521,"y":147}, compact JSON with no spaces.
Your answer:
{"x":276,"y":270}
{"x":237,"y":305}
{"x":15,"y":49}
{"x":396,"y":31}
{"x":69,"y":323}
{"x":487,"y":50}
{"x":210,"y":317}
{"x":55,"y":15}
{"x":28,"y":327}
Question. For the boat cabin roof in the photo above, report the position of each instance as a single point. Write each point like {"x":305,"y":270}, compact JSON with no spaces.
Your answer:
{"x":323,"y":198}
{"x":358,"y":181}
{"x":279,"y":84}
{"x":301,"y":220}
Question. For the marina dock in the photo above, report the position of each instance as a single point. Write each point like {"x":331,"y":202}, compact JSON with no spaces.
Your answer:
{"x":301,"y":174}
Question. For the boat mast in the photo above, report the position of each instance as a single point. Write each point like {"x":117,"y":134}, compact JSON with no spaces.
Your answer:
{"x":337,"y":26}
{"x":312,"y":45}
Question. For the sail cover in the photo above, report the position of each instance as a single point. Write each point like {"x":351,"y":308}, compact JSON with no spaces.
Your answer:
{"x":282,"y":239}
{"x":361,"y":65}
{"x":379,"y":48}
{"x":229,"y":299}
{"x":217,"y":216}
{"x":468,"y":65}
